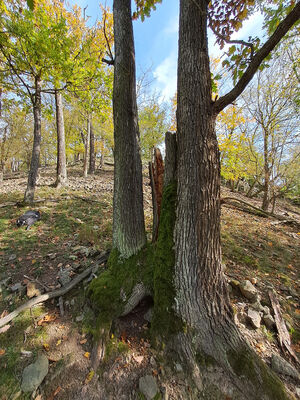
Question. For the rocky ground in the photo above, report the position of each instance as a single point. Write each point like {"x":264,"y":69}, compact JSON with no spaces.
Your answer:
{"x":45,"y":353}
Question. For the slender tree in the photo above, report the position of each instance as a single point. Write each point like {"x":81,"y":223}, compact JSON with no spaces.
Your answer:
{"x":128,"y":215}
{"x":61,"y":173}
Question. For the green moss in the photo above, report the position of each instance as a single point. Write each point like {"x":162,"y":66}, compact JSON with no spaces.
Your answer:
{"x":164,"y":321}
{"x":246,"y":364}
{"x":121,"y":275}
{"x":205,"y":360}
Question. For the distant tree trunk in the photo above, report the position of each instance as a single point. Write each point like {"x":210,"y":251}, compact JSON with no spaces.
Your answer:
{"x":61,"y":169}
{"x":87,"y":147}
{"x":128,"y":217}
{"x":2,"y":160}
{"x":35,"y":158}
{"x":266,"y":198}
{"x":92,"y":166}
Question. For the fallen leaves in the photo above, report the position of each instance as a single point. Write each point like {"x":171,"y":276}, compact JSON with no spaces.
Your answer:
{"x":2,"y":352}
{"x":46,"y":319}
{"x":87,"y":354}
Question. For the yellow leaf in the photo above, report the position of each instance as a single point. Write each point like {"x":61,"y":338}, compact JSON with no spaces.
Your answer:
{"x":89,"y":377}
{"x":2,"y":352}
{"x":87,"y":354}
{"x":46,"y":346}
{"x":33,"y":261}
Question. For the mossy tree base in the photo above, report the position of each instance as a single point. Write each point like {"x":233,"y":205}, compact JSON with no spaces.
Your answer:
{"x":240,"y":374}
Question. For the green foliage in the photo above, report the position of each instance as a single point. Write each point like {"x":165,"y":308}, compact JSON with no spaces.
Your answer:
{"x":144,"y":7}
{"x":153,"y":125}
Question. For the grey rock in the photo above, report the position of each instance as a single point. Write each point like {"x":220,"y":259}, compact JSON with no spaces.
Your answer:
{"x":249,"y":291}
{"x":79,"y":318}
{"x":257,"y":306}
{"x":269,"y":321}
{"x":281,"y":366}
{"x":34,"y":374}
{"x":64,"y":277}
{"x":12,"y":257}
{"x":254,"y":318}
{"x":17,"y":287}
{"x":148,"y":386}
{"x":298,"y":391}
{"x":178,"y":367}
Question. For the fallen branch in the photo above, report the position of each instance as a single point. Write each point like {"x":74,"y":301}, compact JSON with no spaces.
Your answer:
{"x":56,"y":293}
{"x":283,"y":334}
{"x":244,"y":206}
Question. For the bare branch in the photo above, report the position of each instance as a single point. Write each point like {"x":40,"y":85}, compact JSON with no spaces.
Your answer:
{"x":279,"y":33}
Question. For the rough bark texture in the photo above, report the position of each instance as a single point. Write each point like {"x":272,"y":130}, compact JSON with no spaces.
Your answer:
{"x":35,"y":158}
{"x":128,"y":218}
{"x":61,"y":169}
{"x":92,"y":151}
{"x":201,"y":293}
{"x":87,"y":147}
{"x":171,"y":158}
{"x":156,"y":171}
{"x":266,"y":198}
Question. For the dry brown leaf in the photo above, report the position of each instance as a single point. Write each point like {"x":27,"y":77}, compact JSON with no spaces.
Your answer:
{"x":83,"y":341}
{"x":47,"y":318}
{"x":2,"y":352}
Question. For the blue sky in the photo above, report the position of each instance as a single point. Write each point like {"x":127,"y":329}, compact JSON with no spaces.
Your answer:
{"x":156,"y":41}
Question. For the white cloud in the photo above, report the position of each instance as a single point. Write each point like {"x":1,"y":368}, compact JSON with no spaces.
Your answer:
{"x":166,"y":75}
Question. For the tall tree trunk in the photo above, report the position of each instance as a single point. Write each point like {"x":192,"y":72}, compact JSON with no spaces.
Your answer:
{"x":266,"y":198}
{"x":92,"y":166}
{"x":61,"y":169}
{"x":87,"y":147}
{"x":201,"y":293}
{"x":128,"y":218}
{"x":35,"y":158}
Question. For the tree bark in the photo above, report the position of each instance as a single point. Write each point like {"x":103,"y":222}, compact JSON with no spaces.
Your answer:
{"x":266,"y":198}
{"x":87,"y":147}
{"x":92,"y":166}
{"x":202,"y":299}
{"x":128,"y":217}
{"x":35,"y":158}
{"x":61,"y":169}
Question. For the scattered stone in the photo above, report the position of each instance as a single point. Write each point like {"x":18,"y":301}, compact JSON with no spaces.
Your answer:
{"x":269,"y":321}
{"x":26,"y":353}
{"x":12,"y":257}
{"x":148,"y":386}
{"x":257,"y":306}
{"x":79,"y":318}
{"x":72,"y":302}
{"x":64,"y":276}
{"x":34,"y":374}
{"x":249,"y":291}
{"x":281,"y":366}
{"x":178,"y":367}
{"x":138,"y":359}
{"x":254,"y":318}
{"x":17,"y":287}
{"x":298,"y":391}
{"x":32,"y":290}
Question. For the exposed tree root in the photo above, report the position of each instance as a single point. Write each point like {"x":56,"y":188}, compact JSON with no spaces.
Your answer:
{"x":55,"y":293}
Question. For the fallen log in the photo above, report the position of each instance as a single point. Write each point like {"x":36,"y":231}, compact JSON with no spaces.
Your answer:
{"x":283,"y":334}
{"x":249,"y":208}
{"x":55,"y":293}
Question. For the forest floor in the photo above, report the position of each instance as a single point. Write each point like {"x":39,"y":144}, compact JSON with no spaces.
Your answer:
{"x":74,"y":231}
